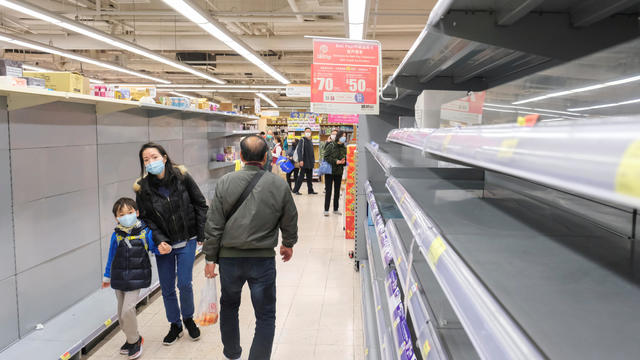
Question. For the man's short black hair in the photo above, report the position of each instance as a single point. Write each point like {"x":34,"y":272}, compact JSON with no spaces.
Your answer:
{"x":262,"y":132}
{"x":253,"y":148}
{"x":307,"y":128}
{"x":122,"y":203}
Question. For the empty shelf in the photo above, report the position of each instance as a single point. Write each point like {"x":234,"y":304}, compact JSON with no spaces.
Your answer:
{"x":526,"y":280}
{"x":221,"y":164}
{"x":414,"y":138}
{"x":400,"y":161}
{"x":434,"y":319}
{"x":371,"y":346}
{"x":596,"y":159}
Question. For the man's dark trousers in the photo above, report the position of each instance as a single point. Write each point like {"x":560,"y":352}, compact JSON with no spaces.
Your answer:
{"x":260,"y":273}
{"x":308,"y":173}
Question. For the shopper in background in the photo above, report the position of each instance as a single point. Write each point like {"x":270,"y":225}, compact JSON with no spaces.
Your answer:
{"x":262,"y":134}
{"x":242,"y":244}
{"x":336,"y":155}
{"x":128,"y":270}
{"x":174,"y":209}
{"x":322,"y":149}
{"x":276,"y":153}
{"x":296,"y":168}
{"x":307,"y":161}
{"x":285,"y":139}
{"x":270,"y":140}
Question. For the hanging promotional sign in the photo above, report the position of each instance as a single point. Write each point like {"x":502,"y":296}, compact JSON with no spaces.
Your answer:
{"x":345,"y":77}
{"x":302,"y":91}
{"x":343,"y":119}
{"x":467,"y":110}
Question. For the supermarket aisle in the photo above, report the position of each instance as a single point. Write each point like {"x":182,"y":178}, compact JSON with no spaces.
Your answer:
{"x":318,"y":309}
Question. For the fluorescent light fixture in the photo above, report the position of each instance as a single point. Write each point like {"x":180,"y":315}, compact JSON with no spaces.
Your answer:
{"x":43,"y":14}
{"x":56,"y":51}
{"x":96,"y":81}
{"x":252,"y":91}
{"x":192,"y":12}
{"x":356,"y":10}
{"x":582,"y":89}
{"x":224,"y":86}
{"x":525,"y":112}
{"x":535,"y":109}
{"x":265,"y":98}
{"x":182,"y":95}
{"x":634,"y":101}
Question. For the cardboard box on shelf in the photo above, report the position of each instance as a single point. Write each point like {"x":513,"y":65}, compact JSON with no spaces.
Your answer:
{"x":63,"y":81}
{"x":226,"y":107}
{"x":10,"y":68}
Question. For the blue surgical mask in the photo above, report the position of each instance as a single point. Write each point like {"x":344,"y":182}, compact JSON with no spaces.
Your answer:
{"x":269,"y":137}
{"x":155,"y":168}
{"x":128,"y":220}
{"x":343,"y":139}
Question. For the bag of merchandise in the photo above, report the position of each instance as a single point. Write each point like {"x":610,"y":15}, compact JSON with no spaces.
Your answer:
{"x":208,"y":309}
{"x":325,"y":168}
{"x":285,"y":165}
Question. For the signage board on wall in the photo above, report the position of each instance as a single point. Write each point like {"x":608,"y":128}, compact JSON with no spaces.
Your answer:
{"x":345,"y":76}
{"x":467,"y":110}
{"x":298,"y":91}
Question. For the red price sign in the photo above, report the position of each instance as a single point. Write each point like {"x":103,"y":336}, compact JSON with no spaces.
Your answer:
{"x":345,"y":77}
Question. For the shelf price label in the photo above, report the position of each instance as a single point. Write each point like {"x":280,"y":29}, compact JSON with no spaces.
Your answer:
{"x":345,"y":76}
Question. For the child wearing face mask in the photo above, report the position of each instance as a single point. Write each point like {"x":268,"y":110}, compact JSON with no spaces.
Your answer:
{"x":129,"y":269}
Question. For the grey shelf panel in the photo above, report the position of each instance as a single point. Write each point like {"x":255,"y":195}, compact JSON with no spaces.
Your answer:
{"x":221,"y":164}
{"x":65,"y":335}
{"x":400,"y":161}
{"x":371,"y":340}
{"x":559,"y":278}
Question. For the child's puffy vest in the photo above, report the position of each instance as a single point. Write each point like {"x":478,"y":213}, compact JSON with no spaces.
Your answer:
{"x":131,"y":267}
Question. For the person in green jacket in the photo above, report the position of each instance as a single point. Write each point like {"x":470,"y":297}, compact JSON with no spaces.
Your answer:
{"x":336,"y":155}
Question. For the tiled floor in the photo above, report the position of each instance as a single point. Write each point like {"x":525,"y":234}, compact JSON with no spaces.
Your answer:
{"x":318,"y":308}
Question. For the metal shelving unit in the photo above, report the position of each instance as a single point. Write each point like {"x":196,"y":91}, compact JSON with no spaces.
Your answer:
{"x":222,"y":133}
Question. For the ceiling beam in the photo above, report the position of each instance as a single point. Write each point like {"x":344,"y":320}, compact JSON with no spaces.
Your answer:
{"x":591,"y":11}
{"x":513,"y":10}
{"x":207,"y":43}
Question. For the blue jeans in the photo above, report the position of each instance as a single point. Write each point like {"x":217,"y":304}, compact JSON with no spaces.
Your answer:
{"x":260,"y":273}
{"x":181,"y":260}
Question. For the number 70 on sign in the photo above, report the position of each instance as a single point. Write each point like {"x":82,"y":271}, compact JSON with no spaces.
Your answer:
{"x":326,"y":84}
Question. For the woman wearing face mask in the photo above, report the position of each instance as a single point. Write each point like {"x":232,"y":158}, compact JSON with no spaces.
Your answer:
{"x":173,"y":207}
{"x":336,"y":155}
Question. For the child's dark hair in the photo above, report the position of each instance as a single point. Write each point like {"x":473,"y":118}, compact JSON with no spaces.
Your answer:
{"x":124,"y":202}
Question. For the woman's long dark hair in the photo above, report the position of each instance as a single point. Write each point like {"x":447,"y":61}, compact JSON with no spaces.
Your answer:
{"x":169,"y":167}
{"x":339,"y":135}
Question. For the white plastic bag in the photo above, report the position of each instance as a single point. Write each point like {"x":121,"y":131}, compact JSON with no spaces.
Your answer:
{"x":208,"y":309}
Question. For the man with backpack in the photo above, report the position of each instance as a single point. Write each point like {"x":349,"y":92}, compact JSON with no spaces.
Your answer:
{"x":307,"y":161}
{"x":246,"y":212}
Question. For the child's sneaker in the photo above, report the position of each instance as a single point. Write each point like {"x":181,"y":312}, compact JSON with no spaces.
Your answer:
{"x":135,"y":350}
{"x":174,"y":334}
{"x":192,"y":329}
{"x":124,"y":349}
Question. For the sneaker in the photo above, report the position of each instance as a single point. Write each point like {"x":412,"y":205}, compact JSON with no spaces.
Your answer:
{"x":337,"y":212}
{"x":174,"y":334}
{"x":326,"y":213}
{"x":124,"y":349}
{"x":135,"y":350}
{"x":192,"y":329}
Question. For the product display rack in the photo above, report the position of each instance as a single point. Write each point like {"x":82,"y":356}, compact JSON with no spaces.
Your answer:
{"x":220,"y":134}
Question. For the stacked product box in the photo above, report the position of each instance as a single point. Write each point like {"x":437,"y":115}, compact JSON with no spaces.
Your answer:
{"x":399,"y":318}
